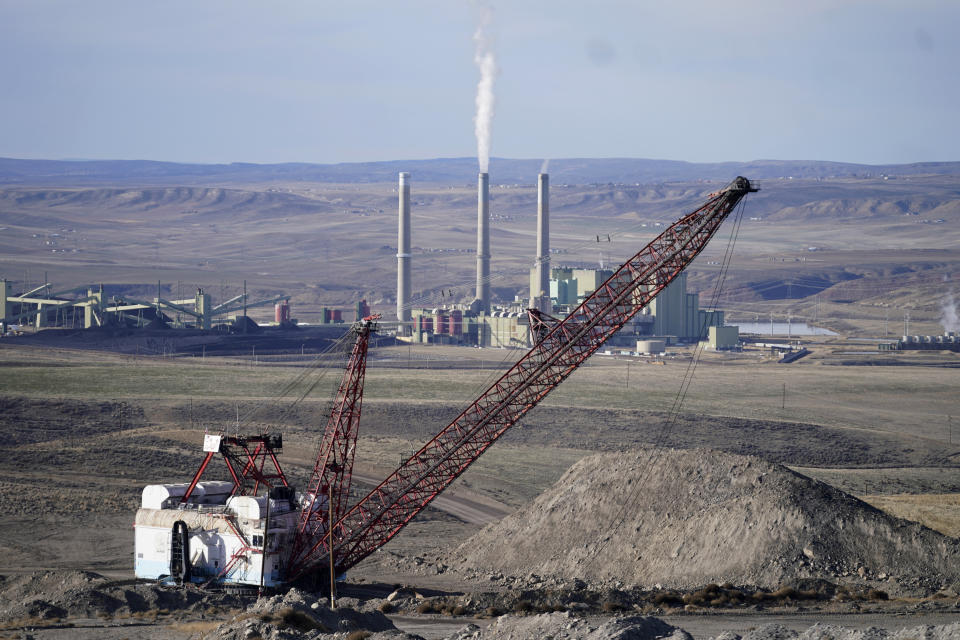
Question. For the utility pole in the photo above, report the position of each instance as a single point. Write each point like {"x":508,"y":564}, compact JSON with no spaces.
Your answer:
{"x":244,"y":306}
{"x":333,"y":577}
{"x":266,"y":539}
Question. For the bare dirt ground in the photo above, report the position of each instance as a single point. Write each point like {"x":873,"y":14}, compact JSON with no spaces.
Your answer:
{"x":86,"y":429}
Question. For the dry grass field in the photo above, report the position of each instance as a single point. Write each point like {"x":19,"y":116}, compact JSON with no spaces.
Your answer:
{"x":940,"y":512}
{"x":86,"y":429}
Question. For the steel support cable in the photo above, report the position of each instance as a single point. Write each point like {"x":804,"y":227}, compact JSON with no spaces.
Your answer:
{"x":457,"y":446}
{"x":698,"y":351}
{"x":674,"y":411}
{"x":275,"y":401}
{"x":338,"y":352}
{"x":664,"y":250}
{"x":332,"y":401}
{"x":320,"y":362}
{"x":718,"y":287}
{"x":343,"y":356}
{"x":667,"y":425}
{"x":450,"y":449}
{"x":590,"y":347}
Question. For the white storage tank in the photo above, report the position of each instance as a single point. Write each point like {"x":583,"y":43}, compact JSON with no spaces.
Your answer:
{"x":651,"y":347}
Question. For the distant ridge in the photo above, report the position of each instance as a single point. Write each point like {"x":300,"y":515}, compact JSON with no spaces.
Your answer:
{"x":443,"y":170}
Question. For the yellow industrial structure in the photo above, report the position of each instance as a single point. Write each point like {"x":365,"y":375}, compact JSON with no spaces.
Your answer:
{"x":723,"y":338}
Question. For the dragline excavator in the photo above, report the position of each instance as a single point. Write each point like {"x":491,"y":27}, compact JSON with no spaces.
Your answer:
{"x":285,"y":535}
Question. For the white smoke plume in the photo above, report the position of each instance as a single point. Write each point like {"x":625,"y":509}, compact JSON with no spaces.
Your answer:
{"x":545,"y":165}
{"x":950,"y":319}
{"x":487,"y":65}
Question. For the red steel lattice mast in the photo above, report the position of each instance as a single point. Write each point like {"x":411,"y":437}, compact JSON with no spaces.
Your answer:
{"x":333,"y":469}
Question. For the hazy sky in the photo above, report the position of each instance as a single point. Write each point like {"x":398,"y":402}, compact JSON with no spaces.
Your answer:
{"x":869,"y":81}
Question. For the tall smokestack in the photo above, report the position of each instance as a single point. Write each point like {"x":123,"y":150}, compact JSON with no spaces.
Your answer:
{"x":483,"y":242}
{"x":540,"y":282}
{"x":403,"y":255}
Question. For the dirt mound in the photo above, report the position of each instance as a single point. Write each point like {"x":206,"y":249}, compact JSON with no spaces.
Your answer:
{"x":298,"y":614}
{"x":688,"y":518}
{"x":822,"y":631}
{"x":563,"y":626}
{"x":61,"y":594}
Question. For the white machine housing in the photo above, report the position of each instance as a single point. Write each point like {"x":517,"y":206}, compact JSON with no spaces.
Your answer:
{"x":228,"y":540}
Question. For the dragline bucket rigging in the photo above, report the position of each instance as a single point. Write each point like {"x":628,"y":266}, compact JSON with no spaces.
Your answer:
{"x":560,"y":347}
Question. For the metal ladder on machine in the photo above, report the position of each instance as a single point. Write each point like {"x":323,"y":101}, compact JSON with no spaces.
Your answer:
{"x":180,"y":552}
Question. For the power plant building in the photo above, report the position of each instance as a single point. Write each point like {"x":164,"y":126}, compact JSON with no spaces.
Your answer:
{"x":564,"y":292}
{"x":677,"y":313}
{"x":674,"y":315}
{"x":723,"y":338}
